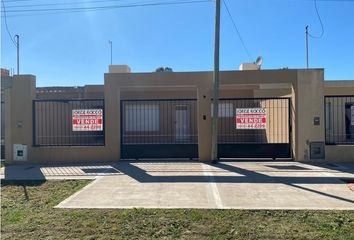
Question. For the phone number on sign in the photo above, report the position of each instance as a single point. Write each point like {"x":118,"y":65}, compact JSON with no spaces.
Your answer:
{"x":88,"y":128}
{"x":251,"y":126}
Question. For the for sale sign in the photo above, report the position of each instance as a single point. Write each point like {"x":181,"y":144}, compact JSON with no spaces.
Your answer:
{"x":251,"y":118}
{"x":352,"y":114}
{"x":87,"y":119}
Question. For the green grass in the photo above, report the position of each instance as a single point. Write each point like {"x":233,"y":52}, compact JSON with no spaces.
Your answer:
{"x":28,"y":213}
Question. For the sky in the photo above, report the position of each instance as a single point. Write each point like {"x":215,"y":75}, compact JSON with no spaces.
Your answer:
{"x":71,"y":49}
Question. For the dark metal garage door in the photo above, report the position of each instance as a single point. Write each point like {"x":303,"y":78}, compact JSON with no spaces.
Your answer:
{"x":159,"y":129}
{"x":254,"y":128}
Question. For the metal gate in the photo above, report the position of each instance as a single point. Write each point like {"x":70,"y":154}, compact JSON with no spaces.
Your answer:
{"x":53,"y":123}
{"x":254,"y":128}
{"x":339,"y":112}
{"x":159,"y":129}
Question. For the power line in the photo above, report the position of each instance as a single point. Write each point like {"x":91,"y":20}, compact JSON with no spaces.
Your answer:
{"x":237,"y":31}
{"x":63,"y":3}
{"x":31,"y":1}
{"x":319,"y":18}
{"x":94,"y":9}
{"x":11,"y":1}
{"x":6,"y":26}
{"x":51,"y":13}
{"x":103,"y":1}
{"x":55,"y":13}
{"x":108,"y":7}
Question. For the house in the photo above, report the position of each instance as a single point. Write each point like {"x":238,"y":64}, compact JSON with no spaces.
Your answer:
{"x":281,"y":113}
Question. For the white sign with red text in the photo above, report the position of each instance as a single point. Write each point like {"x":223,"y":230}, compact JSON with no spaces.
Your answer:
{"x":251,"y":118}
{"x":87,"y":119}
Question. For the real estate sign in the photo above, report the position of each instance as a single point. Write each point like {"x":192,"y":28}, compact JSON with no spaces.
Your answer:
{"x":251,"y":118}
{"x":87,"y":119}
{"x":352,"y":114}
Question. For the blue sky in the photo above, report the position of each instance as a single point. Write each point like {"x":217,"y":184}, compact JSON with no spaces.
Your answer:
{"x":72,"y":49}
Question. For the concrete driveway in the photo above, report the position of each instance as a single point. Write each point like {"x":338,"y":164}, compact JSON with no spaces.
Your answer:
{"x":225,"y":185}
{"x":57,"y":171}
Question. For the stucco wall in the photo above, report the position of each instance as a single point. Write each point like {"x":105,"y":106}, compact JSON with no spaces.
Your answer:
{"x":202,"y":82}
{"x":306,"y":89}
{"x":339,"y":153}
{"x":337,"y":87}
{"x":309,"y":104}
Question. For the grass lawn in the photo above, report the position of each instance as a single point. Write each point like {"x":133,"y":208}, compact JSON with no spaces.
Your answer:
{"x":28,"y":213}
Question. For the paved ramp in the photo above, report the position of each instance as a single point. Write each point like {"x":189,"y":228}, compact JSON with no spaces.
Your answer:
{"x":238,"y":185}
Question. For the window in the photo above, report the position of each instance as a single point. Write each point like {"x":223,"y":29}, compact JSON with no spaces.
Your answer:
{"x":225,"y":110}
{"x":142,"y":118}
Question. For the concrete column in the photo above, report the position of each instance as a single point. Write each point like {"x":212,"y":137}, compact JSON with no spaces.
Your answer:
{"x":112,"y":119}
{"x":7,"y":119}
{"x":309,"y":91}
{"x":21,"y":120}
{"x":204,"y":123}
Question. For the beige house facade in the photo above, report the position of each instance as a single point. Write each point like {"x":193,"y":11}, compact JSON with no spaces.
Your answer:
{"x":263,"y":114}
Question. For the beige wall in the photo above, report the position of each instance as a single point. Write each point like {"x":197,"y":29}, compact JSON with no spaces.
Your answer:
{"x":339,"y":153}
{"x":7,"y":119}
{"x":303,"y":82}
{"x":161,"y":93}
{"x":305,"y":87}
{"x":171,"y":85}
{"x":18,"y":114}
{"x":337,"y":87}
{"x":88,"y":91}
{"x":19,"y":102}
{"x":286,"y":92}
{"x":308,"y":105}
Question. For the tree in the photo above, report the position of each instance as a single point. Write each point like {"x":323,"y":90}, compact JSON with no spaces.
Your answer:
{"x":164,"y":69}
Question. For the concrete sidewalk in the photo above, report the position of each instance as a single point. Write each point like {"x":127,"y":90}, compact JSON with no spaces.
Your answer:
{"x":225,"y":185}
{"x":58,"y":171}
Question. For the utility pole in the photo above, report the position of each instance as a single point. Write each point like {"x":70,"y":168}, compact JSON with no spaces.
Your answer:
{"x":214,"y":129}
{"x":17,"y":37}
{"x":307,"y":46}
{"x":110,"y":43}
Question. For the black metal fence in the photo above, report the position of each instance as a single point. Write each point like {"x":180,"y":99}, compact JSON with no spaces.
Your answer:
{"x":339,"y":119}
{"x":68,"y":122}
{"x":159,"y":128}
{"x":2,"y":143}
{"x":269,"y":121}
{"x":254,"y":128}
{"x":159,"y":122}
